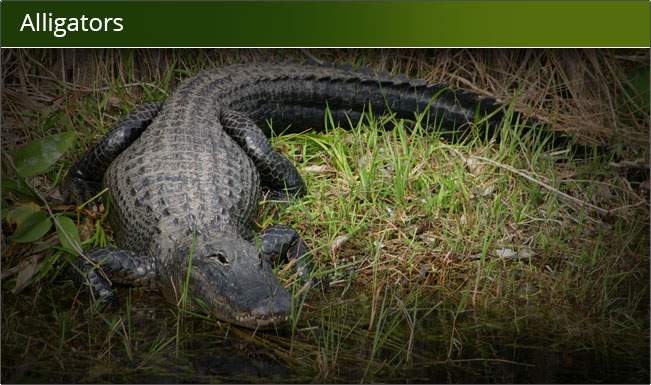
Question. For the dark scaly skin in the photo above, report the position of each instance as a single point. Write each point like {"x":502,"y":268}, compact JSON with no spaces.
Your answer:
{"x":84,"y":182}
{"x":185,"y":179}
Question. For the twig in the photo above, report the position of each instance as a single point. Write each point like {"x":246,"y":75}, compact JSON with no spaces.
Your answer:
{"x":6,"y":273}
{"x":543,"y":184}
{"x":309,"y":54}
{"x":76,"y":87}
{"x":637,"y":163}
{"x":640,"y":200}
{"x":449,"y":361}
{"x":539,"y":182}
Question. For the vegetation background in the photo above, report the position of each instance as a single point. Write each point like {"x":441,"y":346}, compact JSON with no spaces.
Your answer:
{"x":447,"y":262}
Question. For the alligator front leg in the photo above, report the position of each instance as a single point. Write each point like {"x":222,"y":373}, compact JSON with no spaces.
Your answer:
{"x":85,"y":178}
{"x":277,"y":173}
{"x":281,"y":244}
{"x":120,"y":266}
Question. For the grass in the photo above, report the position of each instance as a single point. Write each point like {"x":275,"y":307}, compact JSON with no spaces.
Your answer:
{"x":476,"y":261}
{"x":412,"y":234}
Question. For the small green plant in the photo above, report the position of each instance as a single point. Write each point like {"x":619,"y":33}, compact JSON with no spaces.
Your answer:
{"x":31,"y":214}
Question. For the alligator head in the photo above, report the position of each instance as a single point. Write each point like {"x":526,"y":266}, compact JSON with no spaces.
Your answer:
{"x":231,"y":281}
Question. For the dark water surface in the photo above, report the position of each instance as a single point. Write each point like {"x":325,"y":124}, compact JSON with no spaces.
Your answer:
{"x":49,"y":336}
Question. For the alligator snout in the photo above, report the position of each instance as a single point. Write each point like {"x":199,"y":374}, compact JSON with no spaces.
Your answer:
{"x":274,"y":309}
{"x":237,"y":288}
{"x":269,"y":312}
{"x":263,"y":306}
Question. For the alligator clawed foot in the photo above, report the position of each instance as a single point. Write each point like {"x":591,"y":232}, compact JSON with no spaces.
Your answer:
{"x":75,"y":190}
{"x":282,"y":244}
{"x":120,"y":267}
{"x":101,"y":292}
{"x":104,"y":301}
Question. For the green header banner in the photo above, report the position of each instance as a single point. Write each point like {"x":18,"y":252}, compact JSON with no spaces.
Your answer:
{"x":479,"y":23}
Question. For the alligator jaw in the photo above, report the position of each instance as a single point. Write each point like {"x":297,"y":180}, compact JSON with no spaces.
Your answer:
{"x":242,"y":291}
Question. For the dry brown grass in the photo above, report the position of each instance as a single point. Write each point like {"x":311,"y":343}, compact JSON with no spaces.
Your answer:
{"x":583,"y":91}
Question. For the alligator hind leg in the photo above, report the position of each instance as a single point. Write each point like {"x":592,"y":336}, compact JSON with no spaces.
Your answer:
{"x":281,"y":243}
{"x":85,"y":177}
{"x":120,"y":266}
{"x":277,"y":173}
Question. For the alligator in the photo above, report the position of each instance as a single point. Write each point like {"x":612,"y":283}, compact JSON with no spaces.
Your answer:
{"x":185,"y":176}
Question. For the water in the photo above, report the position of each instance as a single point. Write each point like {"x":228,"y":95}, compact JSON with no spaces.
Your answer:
{"x":49,"y":336}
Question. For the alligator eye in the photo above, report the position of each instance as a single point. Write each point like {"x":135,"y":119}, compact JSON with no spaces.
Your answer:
{"x":221,"y":258}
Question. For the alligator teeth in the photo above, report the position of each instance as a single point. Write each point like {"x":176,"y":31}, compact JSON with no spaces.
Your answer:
{"x":264,"y":320}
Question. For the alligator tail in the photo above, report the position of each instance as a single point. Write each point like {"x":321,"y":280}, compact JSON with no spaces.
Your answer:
{"x":298,"y":100}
